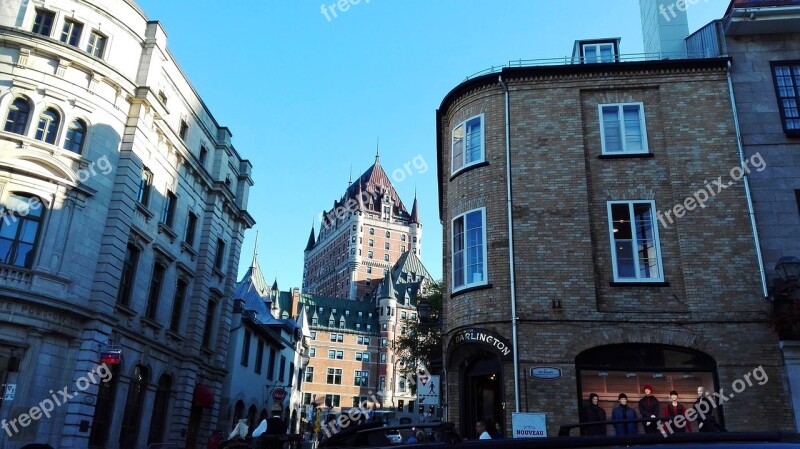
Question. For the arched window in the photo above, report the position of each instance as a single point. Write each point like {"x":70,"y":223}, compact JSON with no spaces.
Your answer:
{"x":48,"y":126}
{"x":132,"y":418}
{"x":18,"y":116}
{"x":76,"y":131}
{"x":158,"y":422}
{"x":251,"y":418}
{"x":20,"y":220}
{"x":238,"y":412}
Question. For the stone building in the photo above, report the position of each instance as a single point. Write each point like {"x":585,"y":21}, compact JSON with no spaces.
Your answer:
{"x":124,"y":212}
{"x":267,"y":353}
{"x":360,"y":238}
{"x":578,"y":259}
{"x":762,"y":39}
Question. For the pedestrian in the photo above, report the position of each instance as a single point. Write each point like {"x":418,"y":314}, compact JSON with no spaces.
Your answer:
{"x":480,"y":430}
{"x":623,"y":412}
{"x":649,"y":408}
{"x":595,"y":413}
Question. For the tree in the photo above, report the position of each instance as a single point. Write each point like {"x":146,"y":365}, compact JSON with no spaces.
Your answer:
{"x":423,"y":340}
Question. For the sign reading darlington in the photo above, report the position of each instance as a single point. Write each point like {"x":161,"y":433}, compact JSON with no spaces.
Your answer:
{"x":482,"y":336}
{"x":545,"y":372}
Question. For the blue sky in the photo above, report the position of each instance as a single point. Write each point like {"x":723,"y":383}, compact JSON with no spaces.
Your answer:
{"x":307,"y":96}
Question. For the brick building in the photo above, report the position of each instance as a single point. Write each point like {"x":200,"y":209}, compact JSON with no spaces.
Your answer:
{"x":361,"y":237}
{"x":352,"y":342}
{"x":577,"y":259}
{"x":124,"y":209}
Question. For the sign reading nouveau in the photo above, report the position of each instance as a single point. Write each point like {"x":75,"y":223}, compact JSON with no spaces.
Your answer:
{"x":482,"y":337}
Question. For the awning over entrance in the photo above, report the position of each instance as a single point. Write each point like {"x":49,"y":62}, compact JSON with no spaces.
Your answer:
{"x":203,"y":397}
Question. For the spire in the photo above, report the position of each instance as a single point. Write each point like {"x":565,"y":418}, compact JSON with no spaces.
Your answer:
{"x":378,"y":151}
{"x":311,"y":240}
{"x":255,"y":252}
{"x":275,"y":285}
{"x":414,"y":213}
{"x":350,"y":180}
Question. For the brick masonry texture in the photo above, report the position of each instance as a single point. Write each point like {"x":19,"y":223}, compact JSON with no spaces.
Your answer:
{"x":711,"y":300}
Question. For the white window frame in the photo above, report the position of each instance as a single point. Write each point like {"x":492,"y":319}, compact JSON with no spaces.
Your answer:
{"x":642,"y":128}
{"x":657,"y":244}
{"x":482,"y":157}
{"x":597,"y":46}
{"x":484,"y":280}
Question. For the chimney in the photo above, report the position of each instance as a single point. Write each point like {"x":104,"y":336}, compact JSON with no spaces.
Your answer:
{"x":665,"y":26}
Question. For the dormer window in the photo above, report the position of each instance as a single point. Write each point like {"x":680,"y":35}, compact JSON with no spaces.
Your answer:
{"x":596,"y":51}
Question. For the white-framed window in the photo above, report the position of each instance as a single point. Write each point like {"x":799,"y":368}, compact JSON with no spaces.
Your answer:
{"x":596,"y":53}
{"x":371,"y":242}
{"x":362,"y":356}
{"x":467,"y":144}
{"x":97,"y":44}
{"x":635,"y":249}
{"x":383,"y":358}
{"x":334,"y":376}
{"x":623,"y":129}
{"x":469,"y":249}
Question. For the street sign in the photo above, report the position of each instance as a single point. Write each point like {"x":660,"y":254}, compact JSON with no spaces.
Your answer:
{"x":428,"y":393}
{"x":528,"y":425}
{"x":279,"y":394}
{"x":545,"y":372}
{"x":9,"y":390}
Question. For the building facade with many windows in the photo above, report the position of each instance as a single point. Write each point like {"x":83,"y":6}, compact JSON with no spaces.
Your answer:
{"x":360,"y":238}
{"x":597,"y":239}
{"x":352,"y":344}
{"x":124,"y":209}
{"x":267,"y":354}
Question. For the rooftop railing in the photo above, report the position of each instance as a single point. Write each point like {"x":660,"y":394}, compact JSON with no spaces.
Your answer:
{"x":570,"y":60}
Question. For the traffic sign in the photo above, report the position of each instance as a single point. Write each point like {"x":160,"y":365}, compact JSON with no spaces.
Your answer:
{"x":279,"y":394}
{"x":9,"y":390}
{"x":428,"y":393}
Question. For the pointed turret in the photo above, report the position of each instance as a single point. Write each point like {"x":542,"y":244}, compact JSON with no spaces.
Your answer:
{"x":311,"y":240}
{"x":414,"y":213}
{"x":275,"y":285}
{"x":388,"y":290}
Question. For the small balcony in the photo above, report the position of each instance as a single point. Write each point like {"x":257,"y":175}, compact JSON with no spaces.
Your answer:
{"x":762,"y":17}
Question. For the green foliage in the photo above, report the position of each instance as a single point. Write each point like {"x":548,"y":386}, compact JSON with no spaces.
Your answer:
{"x":422,"y":341}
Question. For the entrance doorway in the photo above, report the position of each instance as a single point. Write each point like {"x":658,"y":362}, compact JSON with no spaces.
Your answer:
{"x":482,"y":381}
